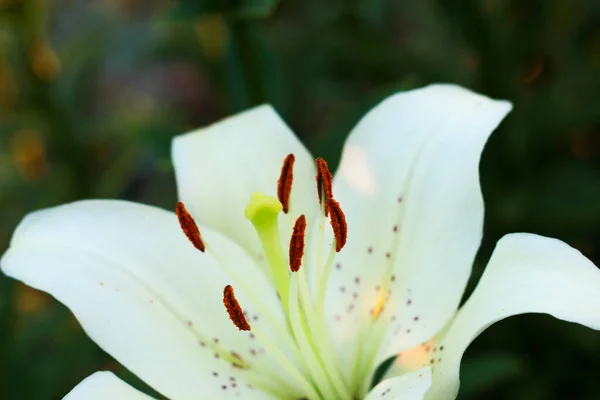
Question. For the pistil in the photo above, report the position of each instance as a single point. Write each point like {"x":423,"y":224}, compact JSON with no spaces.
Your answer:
{"x":262,"y":211}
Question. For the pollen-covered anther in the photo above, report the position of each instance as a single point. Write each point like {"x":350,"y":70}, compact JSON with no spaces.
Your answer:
{"x":297,"y":244}
{"x":284,"y":184}
{"x":324,"y":182}
{"x":236,"y":314}
{"x":338,"y":224}
{"x":188,"y":226}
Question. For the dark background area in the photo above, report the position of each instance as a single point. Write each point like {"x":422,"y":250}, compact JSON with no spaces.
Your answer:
{"x":91,"y":93}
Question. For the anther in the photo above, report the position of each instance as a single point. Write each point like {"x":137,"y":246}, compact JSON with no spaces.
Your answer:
{"x":284,"y":184}
{"x":234,"y":310}
{"x":324,"y":179}
{"x":188,"y":226}
{"x":297,"y":244}
{"x":338,"y":224}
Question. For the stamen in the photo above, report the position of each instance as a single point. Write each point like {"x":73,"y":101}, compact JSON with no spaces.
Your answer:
{"x":315,"y":367}
{"x":234,"y":310}
{"x":324,"y":185}
{"x":284,"y":184}
{"x":188,"y":226}
{"x":338,"y":224}
{"x":297,"y":243}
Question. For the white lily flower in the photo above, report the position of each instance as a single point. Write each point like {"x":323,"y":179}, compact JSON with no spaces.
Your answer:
{"x":408,"y":185}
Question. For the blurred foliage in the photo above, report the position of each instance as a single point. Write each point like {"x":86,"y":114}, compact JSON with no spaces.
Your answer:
{"x":91,"y":93}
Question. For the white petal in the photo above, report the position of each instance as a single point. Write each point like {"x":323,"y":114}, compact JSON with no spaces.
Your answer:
{"x":409,"y":185}
{"x":142,"y":292}
{"x":411,"y":386}
{"x":220,"y":166}
{"x":526,"y":273}
{"x":104,"y":385}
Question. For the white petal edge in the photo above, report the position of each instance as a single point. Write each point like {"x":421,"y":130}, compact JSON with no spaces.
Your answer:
{"x":526,"y":274}
{"x":218,"y":167}
{"x":410,"y":386}
{"x":422,"y":146}
{"x":142,"y":292}
{"x":104,"y":385}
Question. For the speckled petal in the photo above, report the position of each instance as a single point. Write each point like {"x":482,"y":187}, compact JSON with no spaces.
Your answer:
{"x":526,"y":274}
{"x":146,"y":295}
{"x":409,"y":185}
{"x":411,"y":386}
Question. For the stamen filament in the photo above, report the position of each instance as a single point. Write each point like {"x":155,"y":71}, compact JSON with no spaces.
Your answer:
{"x":320,"y":334}
{"x":315,"y":369}
{"x":356,"y":368}
{"x":322,"y":341}
{"x":319,"y":251}
{"x":324,"y":278}
{"x":287,"y":365}
{"x":280,"y":329}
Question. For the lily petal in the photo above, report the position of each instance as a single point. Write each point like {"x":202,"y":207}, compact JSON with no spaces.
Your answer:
{"x":104,"y":385}
{"x":411,"y":386}
{"x":218,"y":167}
{"x":145,"y":294}
{"x":526,"y":273}
{"x":409,"y":185}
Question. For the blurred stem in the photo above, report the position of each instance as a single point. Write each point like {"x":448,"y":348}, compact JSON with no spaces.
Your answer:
{"x":245,"y":73}
{"x":246,"y":35}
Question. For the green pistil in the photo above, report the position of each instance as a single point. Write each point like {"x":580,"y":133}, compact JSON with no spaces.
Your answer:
{"x":262,"y":211}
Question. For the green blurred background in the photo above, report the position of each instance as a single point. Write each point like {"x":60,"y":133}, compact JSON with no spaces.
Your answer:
{"x":91,"y":93}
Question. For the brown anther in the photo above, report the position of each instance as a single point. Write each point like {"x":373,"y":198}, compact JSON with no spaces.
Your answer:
{"x":234,"y":310}
{"x":284,"y":184}
{"x":188,"y":226}
{"x":297,"y":244}
{"x":338,"y":224}
{"x":324,"y":185}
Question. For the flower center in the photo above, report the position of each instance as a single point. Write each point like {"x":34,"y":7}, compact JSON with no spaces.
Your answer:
{"x":304,"y":313}
{"x":311,"y":360}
